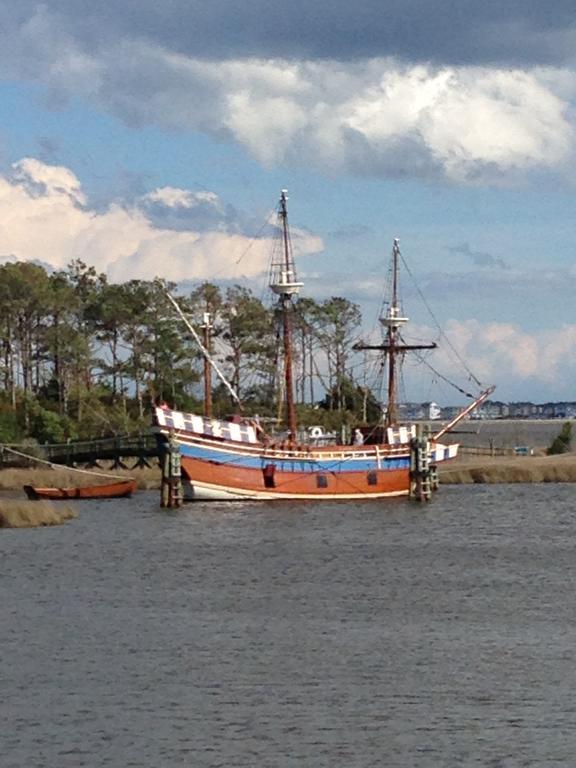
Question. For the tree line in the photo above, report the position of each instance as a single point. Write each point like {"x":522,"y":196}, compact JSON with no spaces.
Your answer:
{"x":81,"y":357}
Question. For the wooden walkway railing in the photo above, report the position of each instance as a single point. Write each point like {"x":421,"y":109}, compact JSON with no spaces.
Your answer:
{"x":142,"y":447}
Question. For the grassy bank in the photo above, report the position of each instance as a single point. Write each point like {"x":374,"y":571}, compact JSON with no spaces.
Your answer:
{"x":519,"y":469}
{"x":31,"y":514}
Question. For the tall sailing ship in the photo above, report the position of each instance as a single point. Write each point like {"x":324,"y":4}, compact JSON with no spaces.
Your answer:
{"x":236,"y":459}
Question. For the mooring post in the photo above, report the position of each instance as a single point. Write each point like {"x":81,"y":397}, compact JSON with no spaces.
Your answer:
{"x":171,"y":486}
{"x":434,"y":478}
{"x":420,"y":485}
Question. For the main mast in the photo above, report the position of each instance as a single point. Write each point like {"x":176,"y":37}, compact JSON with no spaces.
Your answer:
{"x":393,"y":345}
{"x":393,"y":322}
{"x":285,"y":286}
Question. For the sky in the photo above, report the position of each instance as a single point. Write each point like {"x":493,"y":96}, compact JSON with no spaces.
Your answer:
{"x":153,"y":139}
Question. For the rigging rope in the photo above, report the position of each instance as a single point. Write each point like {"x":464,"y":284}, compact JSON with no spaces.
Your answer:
{"x":444,"y":378}
{"x":439,"y":329}
{"x":203,"y":349}
{"x":251,"y":243}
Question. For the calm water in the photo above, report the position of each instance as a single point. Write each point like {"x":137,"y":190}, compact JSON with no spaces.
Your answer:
{"x":290,"y":635}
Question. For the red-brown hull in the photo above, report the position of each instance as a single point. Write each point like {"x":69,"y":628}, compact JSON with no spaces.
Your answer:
{"x":109,"y":491}
{"x":211,"y":480}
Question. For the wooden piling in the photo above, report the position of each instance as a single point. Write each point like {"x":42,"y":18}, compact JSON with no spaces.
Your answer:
{"x":171,"y":494}
{"x":420,"y":471}
{"x":434,"y":478}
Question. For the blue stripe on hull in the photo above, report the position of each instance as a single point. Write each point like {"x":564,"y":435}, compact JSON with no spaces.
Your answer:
{"x":294,"y":465}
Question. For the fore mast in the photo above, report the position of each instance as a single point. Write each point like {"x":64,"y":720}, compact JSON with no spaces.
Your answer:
{"x":284,"y":284}
{"x":393,"y":345}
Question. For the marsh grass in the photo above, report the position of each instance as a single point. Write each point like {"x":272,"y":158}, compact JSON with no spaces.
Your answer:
{"x":15,"y":513}
{"x":521,"y":469}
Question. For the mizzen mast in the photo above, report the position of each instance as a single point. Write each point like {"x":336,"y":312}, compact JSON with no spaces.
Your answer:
{"x":393,"y":345}
{"x":285,"y":285}
{"x":206,"y":328}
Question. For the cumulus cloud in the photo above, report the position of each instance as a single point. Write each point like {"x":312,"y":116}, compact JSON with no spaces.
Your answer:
{"x":183,"y":209}
{"x":466,"y":125}
{"x":512,"y":358}
{"x":47,"y":218}
{"x":376,"y":113}
{"x":39,"y":180}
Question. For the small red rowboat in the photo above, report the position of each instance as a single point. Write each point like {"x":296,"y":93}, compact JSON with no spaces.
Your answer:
{"x":116,"y":490}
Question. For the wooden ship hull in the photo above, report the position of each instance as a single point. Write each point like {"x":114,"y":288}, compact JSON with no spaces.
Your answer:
{"x":115,"y":490}
{"x":226,"y":473}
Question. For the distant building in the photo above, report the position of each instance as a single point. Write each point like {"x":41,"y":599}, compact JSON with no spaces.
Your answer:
{"x":491,"y":409}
